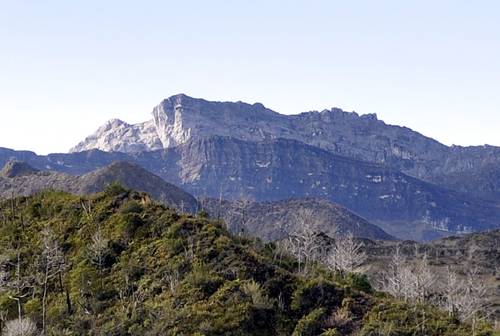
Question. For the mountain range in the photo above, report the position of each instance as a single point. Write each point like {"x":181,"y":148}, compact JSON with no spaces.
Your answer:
{"x":270,"y":220}
{"x":180,"y":118}
{"x":410,"y":185}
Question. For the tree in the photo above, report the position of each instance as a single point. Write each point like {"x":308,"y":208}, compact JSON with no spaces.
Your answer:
{"x":395,"y":279}
{"x":97,"y":250}
{"x":51,"y":264}
{"x":472,"y":299}
{"x":421,"y":279}
{"x":451,"y":292}
{"x":465,"y":298}
{"x":346,"y":254}
{"x":18,"y":285}
{"x":304,"y":243}
{"x":240,"y":209}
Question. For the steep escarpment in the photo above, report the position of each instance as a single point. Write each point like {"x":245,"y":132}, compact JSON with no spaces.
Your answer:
{"x":180,"y":119}
{"x":279,"y":169}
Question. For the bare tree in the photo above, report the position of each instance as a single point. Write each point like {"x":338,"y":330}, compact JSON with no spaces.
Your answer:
{"x":473,"y":298}
{"x":451,"y":293}
{"x":409,"y":280}
{"x":17,"y":285}
{"x":465,"y":298}
{"x":220,"y":201}
{"x":20,"y":327}
{"x":51,"y":264}
{"x":240,"y":209}
{"x":304,"y":243}
{"x":395,"y":278}
{"x":421,"y":279}
{"x":97,"y":250}
{"x":346,"y":255}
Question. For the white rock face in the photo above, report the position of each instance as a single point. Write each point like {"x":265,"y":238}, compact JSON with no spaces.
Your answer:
{"x":118,"y":136}
{"x":180,"y":118}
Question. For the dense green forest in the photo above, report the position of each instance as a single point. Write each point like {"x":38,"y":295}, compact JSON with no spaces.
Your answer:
{"x":118,"y":263}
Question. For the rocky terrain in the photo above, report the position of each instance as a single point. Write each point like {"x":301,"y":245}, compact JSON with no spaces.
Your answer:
{"x":180,"y":118}
{"x":19,"y":178}
{"x":404,"y":206}
{"x":410,"y":185}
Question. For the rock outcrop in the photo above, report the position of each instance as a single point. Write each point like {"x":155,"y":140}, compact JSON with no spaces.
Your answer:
{"x":402,"y":205}
{"x":180,"y":119}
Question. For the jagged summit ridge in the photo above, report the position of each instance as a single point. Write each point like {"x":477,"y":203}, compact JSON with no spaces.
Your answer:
{"x":180,"y":118}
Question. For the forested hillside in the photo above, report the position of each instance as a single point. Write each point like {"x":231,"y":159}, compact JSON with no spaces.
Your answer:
{"x":118,"y":263}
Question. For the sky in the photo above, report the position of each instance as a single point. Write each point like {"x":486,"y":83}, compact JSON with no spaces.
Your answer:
{"x":68,"y":66}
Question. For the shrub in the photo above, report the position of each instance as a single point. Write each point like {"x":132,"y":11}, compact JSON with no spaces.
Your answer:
{"x":20,"y":327}
{"x":131,"y":207}
{"x":114,"y":189}
{"x":254,"y":290}
{"x":359,"y":282}
{"x":314,"y":294}
{"x":309,"y":325}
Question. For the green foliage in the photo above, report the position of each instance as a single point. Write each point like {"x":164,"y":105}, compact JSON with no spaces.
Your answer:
{"x":316,"y":293}
{"x":259,"y":299}
{"x":359,"y":282}
{"x":391,"y":318}
{"x":310,"y":324}
{"x":114,"y":189}
{"x":156,"y":272}
{"x":330,"y":332}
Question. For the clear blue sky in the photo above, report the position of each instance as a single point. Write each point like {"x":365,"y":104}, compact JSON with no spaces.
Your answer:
{"x":68,"y":66}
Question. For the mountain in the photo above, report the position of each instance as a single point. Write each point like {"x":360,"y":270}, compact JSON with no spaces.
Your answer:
{"x":180,"y":119}
{"x":19,"y":178}
{"x":272,"y":221}
{"x":403,"y":206}
{"x":130,"y":266}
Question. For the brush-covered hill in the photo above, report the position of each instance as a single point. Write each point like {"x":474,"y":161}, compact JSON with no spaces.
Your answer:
{"x":272,"y":221}
{"x":19,"y":178}
{"x":118,"y":263}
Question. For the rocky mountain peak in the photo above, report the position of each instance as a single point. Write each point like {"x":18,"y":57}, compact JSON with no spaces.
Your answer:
{"x":15,"y":168}
{"x":180,"y":119}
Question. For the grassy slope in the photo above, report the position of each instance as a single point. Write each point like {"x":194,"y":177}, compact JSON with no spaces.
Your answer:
{"x":170,"y":274}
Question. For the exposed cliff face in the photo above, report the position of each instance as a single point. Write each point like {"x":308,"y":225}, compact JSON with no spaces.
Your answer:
{"x":180,"y":119}
{"x":402,"y":205}
{"x":118,"y":136}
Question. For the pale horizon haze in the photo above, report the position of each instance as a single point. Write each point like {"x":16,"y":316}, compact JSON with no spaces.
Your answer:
{"x":66,"y":67}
